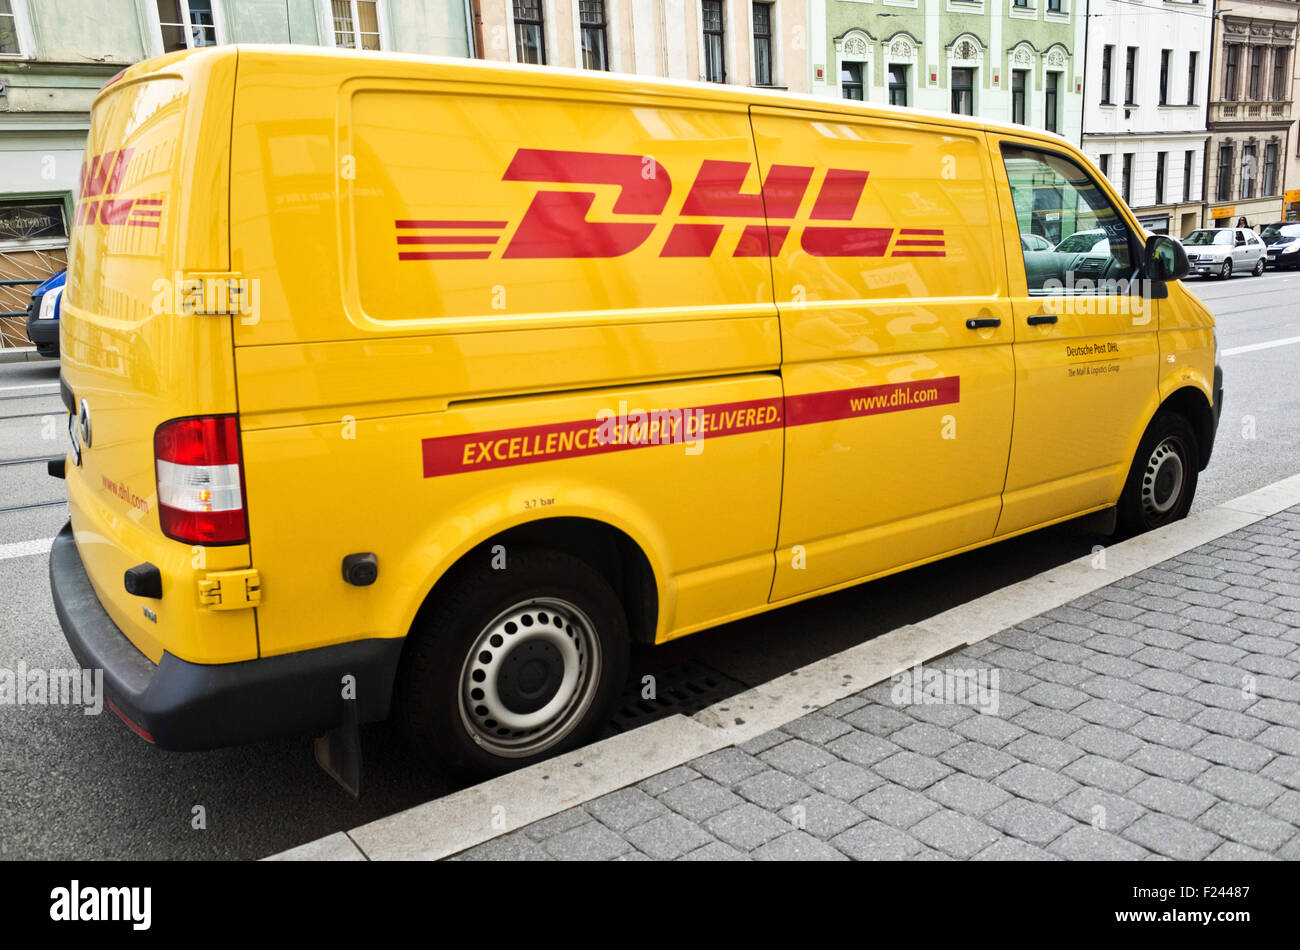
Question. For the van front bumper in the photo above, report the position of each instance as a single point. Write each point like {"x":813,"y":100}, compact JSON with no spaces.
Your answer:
{"x":180,"y":705}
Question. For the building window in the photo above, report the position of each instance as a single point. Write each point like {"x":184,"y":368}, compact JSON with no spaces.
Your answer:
{"x":1189,"y":160}
{"x":188,"y":24}
{"x":1105,"y":164}
{"x":1249,"y":173}
{"x":715,"y":64}
{"x":1223,"y":190}
{"x":1256,"y":68}
{"x":1130,"y":75}
{"x":1107,"y":53}
{"x":9,"y":45}
{"x":963,"y":91}
{"x":530,"y":38}
{"x":763,"y":44}
{"x":1020,"y":4}
{"x":1281,"y":56}
{"x":1230,"y":62}
{"x":1018,"y":95}
{"x":1126,"y":179}
{"x":1050,"y":99}
{"x":1165,"y":56}
{"x":1053,"y":6}
{"x":1160,"y":176}
{"x":851,"y":81}
{"x":1270,"y":169}
{"x":1191,"y":78}
{"x":591,"y":19}
{"x":898,"y":85}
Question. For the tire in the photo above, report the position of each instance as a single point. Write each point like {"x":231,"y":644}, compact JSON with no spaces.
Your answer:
{"x":1162,"y":479}
{"x":1259,"y":268}
{"x":513,"y":666}
{"x":1225,"y":272}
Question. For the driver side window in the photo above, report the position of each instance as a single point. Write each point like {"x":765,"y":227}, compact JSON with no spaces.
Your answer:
{"x":1058,"y":202}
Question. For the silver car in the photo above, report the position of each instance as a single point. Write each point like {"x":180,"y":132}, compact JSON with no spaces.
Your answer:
{"x":1222,"y":252}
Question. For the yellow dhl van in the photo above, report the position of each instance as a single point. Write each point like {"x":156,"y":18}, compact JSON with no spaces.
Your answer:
{"x":443,"y":382}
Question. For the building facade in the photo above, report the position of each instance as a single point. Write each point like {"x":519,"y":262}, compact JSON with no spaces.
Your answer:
{"x":1251,"y":115}
{"x":1144,"y":115}
{"x":1006,"y":60}
{"x":55,"y":55}
{"x":741,"y":42}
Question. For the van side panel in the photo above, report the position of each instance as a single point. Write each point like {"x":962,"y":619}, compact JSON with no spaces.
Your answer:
{"x":460,"y":279}
{"x":898,"y":413}
{"x":153,"y":209}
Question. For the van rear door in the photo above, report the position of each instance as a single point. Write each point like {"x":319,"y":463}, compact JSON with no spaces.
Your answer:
{"x":141,"y":347}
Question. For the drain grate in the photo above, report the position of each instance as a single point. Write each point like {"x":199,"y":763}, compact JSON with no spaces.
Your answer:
{"x":684,"y":689}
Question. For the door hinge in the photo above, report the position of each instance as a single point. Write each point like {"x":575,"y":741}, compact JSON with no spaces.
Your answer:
{"x":231,"y":590}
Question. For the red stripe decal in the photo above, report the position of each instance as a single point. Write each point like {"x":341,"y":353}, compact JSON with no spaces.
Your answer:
{"x":920,"y":231}
{"x":446,"y":239}
{"x":447,"y":455}
{"x":918,"y":254}
{"x":443,"y":255}
{"x":500,"y":448}
{"x":871,"y":400}
{"x":419,"y":223}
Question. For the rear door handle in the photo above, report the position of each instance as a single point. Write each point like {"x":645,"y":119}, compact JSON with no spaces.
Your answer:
{"x":979,"y":323}
{"x":1041,"y":318}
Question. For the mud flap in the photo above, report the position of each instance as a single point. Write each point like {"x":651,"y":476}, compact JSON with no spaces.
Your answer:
{"x":338,"y":752}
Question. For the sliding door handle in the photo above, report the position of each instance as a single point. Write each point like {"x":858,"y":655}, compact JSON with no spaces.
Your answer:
{"x":979,"y":323}
{"x":1040,"y":318}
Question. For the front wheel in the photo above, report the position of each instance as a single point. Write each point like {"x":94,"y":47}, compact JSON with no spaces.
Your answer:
{"x":513,"y":665}
{"x":1259,"y":268}
{"x":1226,"y":270}
{"x":1162,"y":479}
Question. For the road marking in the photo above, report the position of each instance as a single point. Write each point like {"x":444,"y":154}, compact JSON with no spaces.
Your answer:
{"x":1250,"y":348}
{"x":5,"y":389}
{"x":24,"y":548}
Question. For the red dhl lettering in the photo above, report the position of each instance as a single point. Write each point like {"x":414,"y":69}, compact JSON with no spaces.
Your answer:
{"x":555,"y":224}
{"x":101,"y":177}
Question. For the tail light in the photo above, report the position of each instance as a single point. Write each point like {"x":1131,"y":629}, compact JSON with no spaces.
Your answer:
{"x":200,"y":480}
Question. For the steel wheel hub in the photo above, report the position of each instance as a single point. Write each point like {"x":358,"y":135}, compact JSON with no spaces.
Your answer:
{"x":530,"y":677}
{"x":1162,"y":481}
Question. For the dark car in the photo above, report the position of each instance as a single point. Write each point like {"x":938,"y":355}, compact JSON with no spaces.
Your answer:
{"x":1283,"y":242}
{"x":43,"y":315}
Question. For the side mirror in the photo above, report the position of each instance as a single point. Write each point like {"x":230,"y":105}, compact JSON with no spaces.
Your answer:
{"x":1165,"y":259}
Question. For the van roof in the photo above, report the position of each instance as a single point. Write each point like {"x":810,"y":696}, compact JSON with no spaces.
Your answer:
{"x":568,"y":77}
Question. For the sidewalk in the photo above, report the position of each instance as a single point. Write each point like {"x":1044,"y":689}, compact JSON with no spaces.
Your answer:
{"x":1157,"y":716}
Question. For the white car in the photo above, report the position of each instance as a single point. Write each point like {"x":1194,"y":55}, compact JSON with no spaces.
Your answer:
{"x":1221,"y":252}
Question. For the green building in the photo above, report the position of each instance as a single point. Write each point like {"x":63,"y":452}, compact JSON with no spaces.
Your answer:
{"x":1008,"y":60}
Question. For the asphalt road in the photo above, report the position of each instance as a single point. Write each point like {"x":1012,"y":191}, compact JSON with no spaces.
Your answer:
{"x":84,"y":787}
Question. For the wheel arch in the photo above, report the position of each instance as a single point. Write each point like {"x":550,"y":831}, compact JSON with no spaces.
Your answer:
{"x":1191,"y":403}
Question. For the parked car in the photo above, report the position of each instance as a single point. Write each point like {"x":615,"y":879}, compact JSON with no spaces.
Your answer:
{"x":1034,"y":242}
{"x":1282,"y":240}
{"x":43,"y":315}
{"x":1221,"y":252}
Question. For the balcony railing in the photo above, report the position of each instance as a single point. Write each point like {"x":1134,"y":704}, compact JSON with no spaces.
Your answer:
{"x":1244,"y":110}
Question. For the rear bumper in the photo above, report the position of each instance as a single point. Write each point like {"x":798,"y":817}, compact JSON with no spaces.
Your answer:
{"x":181,"y":705}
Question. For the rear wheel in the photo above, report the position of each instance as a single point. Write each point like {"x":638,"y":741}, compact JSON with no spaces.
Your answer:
{"x":1162,"y":479}
{"x":1259,"y":268}
{"x":514,"y":665}
{"x":1226,"y":270}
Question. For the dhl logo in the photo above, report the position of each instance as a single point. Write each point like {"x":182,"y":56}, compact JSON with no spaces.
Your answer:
{"x":101,"y":178}
{"x":556,"y":223}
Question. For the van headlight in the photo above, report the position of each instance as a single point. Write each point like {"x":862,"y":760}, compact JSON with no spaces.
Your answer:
{"x":49,"y":303}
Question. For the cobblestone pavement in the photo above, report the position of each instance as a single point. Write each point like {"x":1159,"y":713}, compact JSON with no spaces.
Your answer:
{"x":1155,"y":718}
